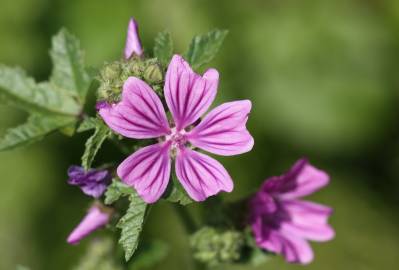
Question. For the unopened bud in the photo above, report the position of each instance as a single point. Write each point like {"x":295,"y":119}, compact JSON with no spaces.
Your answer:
{"x":111,"y":72}
{"x":97,"y":217}
{"x":133,"y":43}
{"x":153,"y":73}
{"x":213,"y":247}
{"x":133,"y":67}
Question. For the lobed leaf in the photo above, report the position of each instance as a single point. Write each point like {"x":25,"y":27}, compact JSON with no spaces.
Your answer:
{"x":163,"y":48}
{"x":69,"y":72}
{"x":22,"y":91}
{"x":116,"y":190}
{"x":203,"y":48}
{"x":131,"y":225}
{"x":93,"y":144}
{"x":53,"y":105}
{"x":33,"y":130}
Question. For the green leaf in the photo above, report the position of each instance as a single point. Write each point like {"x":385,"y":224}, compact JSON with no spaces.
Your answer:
{"x":93,"y":144}
{"x":163,"y":48}
{"x":131,"y":225}
{"x":88,"y":124}
{"x":22,"y":91}
{"x":55,"y":101}
{"x":33,"y":130}
{"x":68,"y":130}
{"x":69,"y":72}
{"x":116,"y":190}
{"x":175,"y":192}
{"x":203,"y":48}
{"x":63,"y":94}
{"x":148,"y":255}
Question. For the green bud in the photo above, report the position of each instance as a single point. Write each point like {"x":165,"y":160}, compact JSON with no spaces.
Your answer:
{"x":153,"y":74}
{"x":113,"y":75}
{"x":133,"y":67}
{"x":213,"y":247}
{"x":111,"y":72}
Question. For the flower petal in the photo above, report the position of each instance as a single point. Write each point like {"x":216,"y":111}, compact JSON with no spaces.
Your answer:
{"x":223,"y":130}
{"x":148,"y":171}
{"x":94,"y":189}
{"x":200,"y":175}
{"x":75,"y":174}
{"x":262,"y":204}
{"x":308,"y":220}
{"x":301,"y":180}
{"x":133,"y":43}
{"x":294,"y":249}
{"x":139,"y":115}
{"x":94,"y":219}
{"x":187,"y":94}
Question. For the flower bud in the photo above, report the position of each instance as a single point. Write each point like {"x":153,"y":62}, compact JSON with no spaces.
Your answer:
{"x":133,"y":43}
{"x":213,"y":247}
{"x":111,"y":71}
{"x":153,"y":74}
{"x":133,"y":67}
{"x":96,"y":217}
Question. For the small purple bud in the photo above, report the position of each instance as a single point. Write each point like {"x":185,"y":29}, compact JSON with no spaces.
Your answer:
{"x":133,"y":43}
{"x":96,"y":217}
{"x":92,"y":182}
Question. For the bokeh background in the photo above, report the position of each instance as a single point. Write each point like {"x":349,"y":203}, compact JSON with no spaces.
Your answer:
{"x":324,"y":80}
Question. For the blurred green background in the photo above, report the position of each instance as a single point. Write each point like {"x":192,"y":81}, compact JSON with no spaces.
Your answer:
{"x":323,"y":77}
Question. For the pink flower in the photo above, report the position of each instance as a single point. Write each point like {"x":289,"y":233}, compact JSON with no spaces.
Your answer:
{"x":140,"y":115}
{"x":133,"y":43}
{"x":282,"y":223}
{"x":95,"y":218}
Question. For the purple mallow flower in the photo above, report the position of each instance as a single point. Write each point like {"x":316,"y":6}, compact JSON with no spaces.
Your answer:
{"x":133,"y":43}
{"x":140,"y":115}
{"x":92,"y":182}
{"x":96,"y":217}
{"x":282,"y":223}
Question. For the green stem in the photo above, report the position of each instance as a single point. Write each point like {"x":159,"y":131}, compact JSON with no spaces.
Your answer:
{"x":185,"y":218}
{"x":190,"y":227}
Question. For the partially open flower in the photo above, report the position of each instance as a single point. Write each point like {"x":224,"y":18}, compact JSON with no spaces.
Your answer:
{"x":96,"y":217}
{"x":281,"y":222}
{"x":92,"y":182}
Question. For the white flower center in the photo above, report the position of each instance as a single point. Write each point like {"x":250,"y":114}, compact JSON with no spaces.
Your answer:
{"x":177,"y":138}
